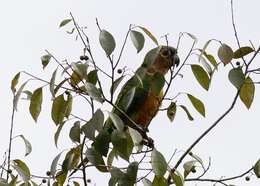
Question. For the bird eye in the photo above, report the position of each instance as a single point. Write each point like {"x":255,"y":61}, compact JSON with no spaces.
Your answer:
{"x":165,"y":53}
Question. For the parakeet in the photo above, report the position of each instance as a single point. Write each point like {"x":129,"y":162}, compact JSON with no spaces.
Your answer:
{"x":141,"y":95}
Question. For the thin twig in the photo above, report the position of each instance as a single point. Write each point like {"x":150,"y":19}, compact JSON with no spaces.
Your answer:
{"x":122,"y":49}
{"x":112,"y":68}
{"x":205,"y":170}
{"x":77,"y":117}
{"x":203,"y":135}
{"x":77,"y":28}
{"x":220,"y":180}
{"x":88,"y":48}
{"x":10,"y":139}
{"x":253,"y":57}
{"x":234,"y":28}
{"x":82,"y":160}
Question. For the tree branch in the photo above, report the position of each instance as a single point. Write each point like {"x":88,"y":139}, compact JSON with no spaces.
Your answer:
{"x":203,"y":135}
{"x":220,"y":180}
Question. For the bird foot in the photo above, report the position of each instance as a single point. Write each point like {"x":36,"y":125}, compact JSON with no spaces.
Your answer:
{"x":148,"y":142}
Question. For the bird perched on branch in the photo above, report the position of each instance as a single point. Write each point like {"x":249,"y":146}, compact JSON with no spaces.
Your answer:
{"x":140,"y":98}
{"x":141,"y":95}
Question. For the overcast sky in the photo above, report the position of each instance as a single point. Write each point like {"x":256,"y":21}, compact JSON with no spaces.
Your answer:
{"x":29,"y":27}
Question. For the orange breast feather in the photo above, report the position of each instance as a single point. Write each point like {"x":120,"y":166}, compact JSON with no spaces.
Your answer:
{"x":148,"y":110}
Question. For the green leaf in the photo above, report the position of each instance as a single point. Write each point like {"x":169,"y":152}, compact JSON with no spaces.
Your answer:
{"x":112,"y":181}
{"x":247,"y":92}
{"x":28,"y":94}
{"x":60,"y":85}
{"x":54,"y":164}
{"x":107,"y":42}
{"x":203,"y":50}
{"x":197,"y":158}
{"x":17,"y":95}
{"x":171,"y":111}
{"x":92,"y":77}
{"x":243,"y":51}
{"x":58,"y":109}
{"x":25,"y":184}
{"x":146,"y":182}
{"x":95,"y":123}
{"x":61,"y":177}
{"x":159,"y":181}
{"x":15,"y":82}
{"x":257,"y":169}
{"x":119,"y":141}
{"x":57,"y":134}
{"x":159,"y":163}
{"x":3,"y":182}
{"x":187,"y":112}
{"x":119,"y":124}
{"x":64,"y":22}
{"x":192,"y":36}
{"x":177,"y":178}
{"x":212,"y":60}
{"x":98,"y":120}
{"x":101,"y":142}
{"x":188,"y":167}
{"x":119,"y":178}
{"x":75,"y":132}
{"x":201,"y":76}
{"x":110,"y":158}
{"x":130,"y":144}
{"x":198,"y":105}
{"x":80,"y":70}
{"x":89,"y":130}
{"x":22,"y":169}
{"x":28,"y":146}
{"x":96,"y":159}
{"x":116,"y":83}
{"x":149,"y":34}
{"x":137,"y":39}
{"x":76,"y":183}
{"x":131,"y":171}
{"x":68,"y":105}
{"x":116,"y":173}
{"x":36,"y":103}
{"x":45,"y":60}
{"x":33,"y":183}
{"x":206,"y":65}
{"x":12,"y":183}
{"x":136,"y":138}
{"x":52,"y":83}
{"x":124,"y":181}
{"x":93,"y":92}
{"x":236,"y":77}
{"x":72,"y":159}
{"x":55,"y":183}
{"x":225,"y":53}
{"x":75,"y":79}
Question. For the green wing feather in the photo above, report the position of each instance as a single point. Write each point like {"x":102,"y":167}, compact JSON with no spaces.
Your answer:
{"x":131,"y":96}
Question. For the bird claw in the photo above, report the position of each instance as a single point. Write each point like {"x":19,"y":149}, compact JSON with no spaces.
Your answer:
{"x":148,"y":142}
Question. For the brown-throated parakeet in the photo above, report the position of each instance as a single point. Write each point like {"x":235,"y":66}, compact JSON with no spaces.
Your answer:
{"x":141,"y":95}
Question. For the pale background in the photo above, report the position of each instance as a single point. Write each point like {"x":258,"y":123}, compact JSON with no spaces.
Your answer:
{"x":29,"y":27}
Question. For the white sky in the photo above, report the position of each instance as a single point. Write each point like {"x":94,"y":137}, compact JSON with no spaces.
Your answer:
{"x":29,"y":27}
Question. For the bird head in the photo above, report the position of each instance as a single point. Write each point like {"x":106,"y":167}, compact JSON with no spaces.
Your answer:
{"x":161,"y":59}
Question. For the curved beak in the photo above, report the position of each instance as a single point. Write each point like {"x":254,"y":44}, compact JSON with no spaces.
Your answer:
{"x":175,"y":60}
